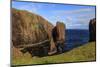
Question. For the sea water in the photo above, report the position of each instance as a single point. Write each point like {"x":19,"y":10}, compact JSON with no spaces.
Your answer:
{"x":75,"y":38}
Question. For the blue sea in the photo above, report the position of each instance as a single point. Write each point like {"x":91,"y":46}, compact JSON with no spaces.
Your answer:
{"x":75,"y":38}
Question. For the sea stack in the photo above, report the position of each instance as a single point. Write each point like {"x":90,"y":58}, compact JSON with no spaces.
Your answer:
{"x":92,"y":30}
{"x":58,"y":34}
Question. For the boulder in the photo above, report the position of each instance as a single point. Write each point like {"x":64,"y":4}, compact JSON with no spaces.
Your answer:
{"x":92,"y":30}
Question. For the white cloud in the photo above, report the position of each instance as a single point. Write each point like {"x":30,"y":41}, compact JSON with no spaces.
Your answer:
{"x":86,"y":16}
{"x":77,"y":11}
{"x":34,"y":9}
{"x":79,"y":15}
{"x":69,"y":18}
{"x":29,"y":7}
{"x":77,"y":26}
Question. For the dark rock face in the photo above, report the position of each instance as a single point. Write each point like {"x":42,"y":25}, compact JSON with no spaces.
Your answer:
{"x":92,"y":30}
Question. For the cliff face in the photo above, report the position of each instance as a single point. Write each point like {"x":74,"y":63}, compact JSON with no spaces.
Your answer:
{"x":29,"y":28}
{"x":92,"y":30}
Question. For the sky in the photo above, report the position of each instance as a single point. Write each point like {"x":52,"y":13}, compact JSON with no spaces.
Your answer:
{"x":73,"y":16}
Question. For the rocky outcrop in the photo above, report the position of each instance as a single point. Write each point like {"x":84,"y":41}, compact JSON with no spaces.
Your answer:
{"x":92,"y":30}
{"x":28,"y":29}
{"x":32,"y":33}
{"x":59,"y":30}
{"x":58,"y":34}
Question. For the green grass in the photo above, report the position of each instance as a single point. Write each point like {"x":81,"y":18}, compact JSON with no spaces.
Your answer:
{"x":82,"y":53}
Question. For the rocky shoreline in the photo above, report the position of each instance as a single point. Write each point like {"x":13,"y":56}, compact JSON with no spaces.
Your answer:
{"x":34,"y":34}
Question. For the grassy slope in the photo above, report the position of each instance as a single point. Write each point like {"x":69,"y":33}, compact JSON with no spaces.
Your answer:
{"x":82,"y":53}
